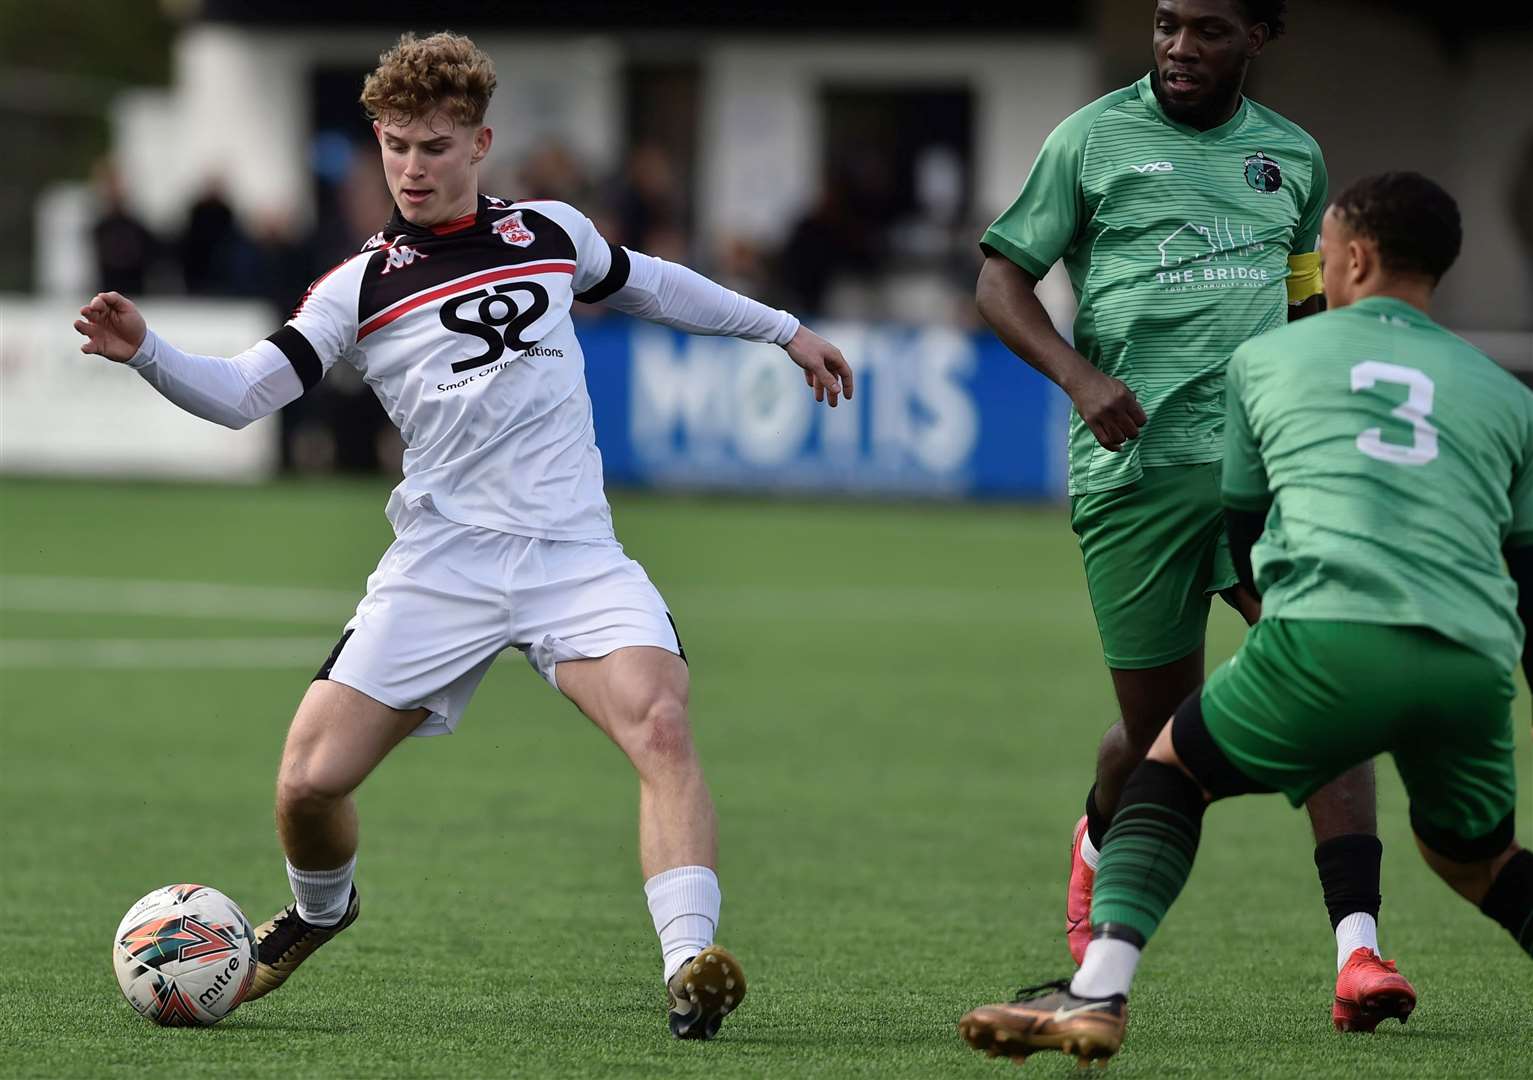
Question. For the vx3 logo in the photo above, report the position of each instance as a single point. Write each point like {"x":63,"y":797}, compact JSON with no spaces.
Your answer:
{"x":1154,"y":166}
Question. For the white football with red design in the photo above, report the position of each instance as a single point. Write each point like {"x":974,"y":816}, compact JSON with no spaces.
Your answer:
{"x":184,"y":956}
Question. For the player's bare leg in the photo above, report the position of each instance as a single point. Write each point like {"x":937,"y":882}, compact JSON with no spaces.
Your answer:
{"x":1146,"y":696}
{"x":1344,"y":817}
{"x":1471,"y":880}
{"x":1501,"y":886}
{"x":338,"y":736}
{"x":638,"y":697}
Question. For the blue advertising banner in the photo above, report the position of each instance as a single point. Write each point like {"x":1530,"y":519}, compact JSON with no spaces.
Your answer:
{"x":937,"y":412}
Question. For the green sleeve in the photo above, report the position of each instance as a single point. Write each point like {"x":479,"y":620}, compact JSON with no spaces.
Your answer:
{"x":1043,"y":222}
{"x":1521,"y":532}
{"x":1244,"y":483}
{"x":1307,"y":235}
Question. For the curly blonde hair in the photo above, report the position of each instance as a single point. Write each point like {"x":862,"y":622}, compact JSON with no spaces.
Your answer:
{"x":419,"y":76}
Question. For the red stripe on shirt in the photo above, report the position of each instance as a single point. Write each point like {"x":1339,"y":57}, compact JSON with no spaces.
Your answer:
{"x":383,"y":318}
{"x":456,"y":224}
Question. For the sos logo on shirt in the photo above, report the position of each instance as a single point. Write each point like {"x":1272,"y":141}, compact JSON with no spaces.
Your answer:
{"x":499,"y":319}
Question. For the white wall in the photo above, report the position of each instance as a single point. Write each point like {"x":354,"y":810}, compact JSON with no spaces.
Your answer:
{"x":64,"y":412}
{"x":235,"y":114}
{"x":761,"y":139}
{"x":1380,"y":94}
{"x":238,"y":112}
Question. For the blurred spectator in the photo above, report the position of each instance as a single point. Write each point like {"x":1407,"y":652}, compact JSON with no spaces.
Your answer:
{"x":338,"y":425}
{"x":125,"y":249}
{"x":840,"y":239}
{"x":551,"y":170}
{"x":215,"y":254}
{"x":649,"y":205}
{"x":742,"y":266}
{"x":282,"y":262}
{"x":351,"y":209}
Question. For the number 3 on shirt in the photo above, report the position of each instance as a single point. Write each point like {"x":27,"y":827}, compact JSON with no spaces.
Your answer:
{"x":1417,"y":407}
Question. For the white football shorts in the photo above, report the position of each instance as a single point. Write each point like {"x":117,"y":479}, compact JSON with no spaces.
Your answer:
{"x":447,"y":598}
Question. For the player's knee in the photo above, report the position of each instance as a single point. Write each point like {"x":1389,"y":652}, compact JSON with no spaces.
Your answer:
{"x":664,"y":733}
{"x":307,"y":784}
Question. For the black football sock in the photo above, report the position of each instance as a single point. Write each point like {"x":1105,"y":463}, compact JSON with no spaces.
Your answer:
{"x":1096,"y":822}
{"x":1349,"y":874}
{"x":1510,"y":899}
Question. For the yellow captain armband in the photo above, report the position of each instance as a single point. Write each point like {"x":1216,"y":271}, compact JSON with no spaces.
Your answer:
{"x":1304,"y":277}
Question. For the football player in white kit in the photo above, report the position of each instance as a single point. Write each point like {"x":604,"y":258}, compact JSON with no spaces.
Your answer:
{"x":458,"y":315}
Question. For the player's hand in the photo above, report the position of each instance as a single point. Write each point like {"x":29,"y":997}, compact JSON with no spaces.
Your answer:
{"x":112,"y":326}
{"x":825,"y":370}
{"x":1110,"y":410}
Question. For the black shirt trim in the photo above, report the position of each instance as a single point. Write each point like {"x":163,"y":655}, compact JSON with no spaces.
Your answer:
{"x":300,"y":354}
{"x":616,"y":278}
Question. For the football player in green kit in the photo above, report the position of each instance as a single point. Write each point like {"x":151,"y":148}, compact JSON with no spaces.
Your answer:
{"x":1186,"y":215}
{"x":1383,"y":470}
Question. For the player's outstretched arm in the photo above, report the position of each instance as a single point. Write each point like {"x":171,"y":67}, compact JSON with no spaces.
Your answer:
{"x":671,"y":294}
{"x":1006,"y":300}
{"x":231,"y":391}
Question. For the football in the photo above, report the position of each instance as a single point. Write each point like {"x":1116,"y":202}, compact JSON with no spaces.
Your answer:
{"x":184,"y":956}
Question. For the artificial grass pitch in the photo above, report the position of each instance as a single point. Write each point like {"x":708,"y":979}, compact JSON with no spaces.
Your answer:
{"x":898,"y":708}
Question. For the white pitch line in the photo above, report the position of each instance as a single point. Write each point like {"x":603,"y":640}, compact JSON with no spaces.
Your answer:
{"x":1059,"y":602}
{"x":186,"y":599}
{"x":269,"y":653}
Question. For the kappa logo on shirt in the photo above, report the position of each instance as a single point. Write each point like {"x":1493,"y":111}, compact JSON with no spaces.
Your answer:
{"x":401,"y":255}
{"x":512,"y":231}
{"x":377,"y":240}
{"x":1154,"y":167}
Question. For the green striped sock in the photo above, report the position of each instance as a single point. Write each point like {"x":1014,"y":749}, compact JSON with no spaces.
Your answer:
{"x":1149,"y":850}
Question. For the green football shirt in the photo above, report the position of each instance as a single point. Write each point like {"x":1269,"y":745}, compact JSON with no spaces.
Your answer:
{"x":1177,"y":244}
{"x":1398,"y":460}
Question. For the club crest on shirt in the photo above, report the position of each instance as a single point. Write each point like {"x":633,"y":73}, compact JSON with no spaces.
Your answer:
{"x":512,"y":231}
{"x":401,"y":255}
{"x":1263,"y":174}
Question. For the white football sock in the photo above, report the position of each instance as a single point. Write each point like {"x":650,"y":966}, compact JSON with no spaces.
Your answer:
{"x":1107,"y":970}
{"x":1356,"y":931}
{"x":322,"y":895}
{"x":1089,"y":853}
{"x":684,"y":904}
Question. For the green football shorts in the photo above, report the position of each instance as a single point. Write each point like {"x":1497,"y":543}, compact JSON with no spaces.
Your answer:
{"x":1155,"y":552}
{"x":1303,"y":701}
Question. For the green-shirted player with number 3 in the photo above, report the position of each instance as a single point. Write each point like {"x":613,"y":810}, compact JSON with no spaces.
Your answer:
{"x":1386,"y":467}
{"x":1187,"y":217}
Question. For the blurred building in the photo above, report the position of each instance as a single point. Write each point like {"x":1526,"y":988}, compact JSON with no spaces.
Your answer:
{"x":841,"y":160}
{"x":879,"y":143}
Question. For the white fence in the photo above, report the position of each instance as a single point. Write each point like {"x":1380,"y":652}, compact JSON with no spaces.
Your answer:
{"x":62,"y":412}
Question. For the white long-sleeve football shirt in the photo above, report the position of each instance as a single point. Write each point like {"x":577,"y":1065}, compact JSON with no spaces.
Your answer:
{"x":464,"y":334}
